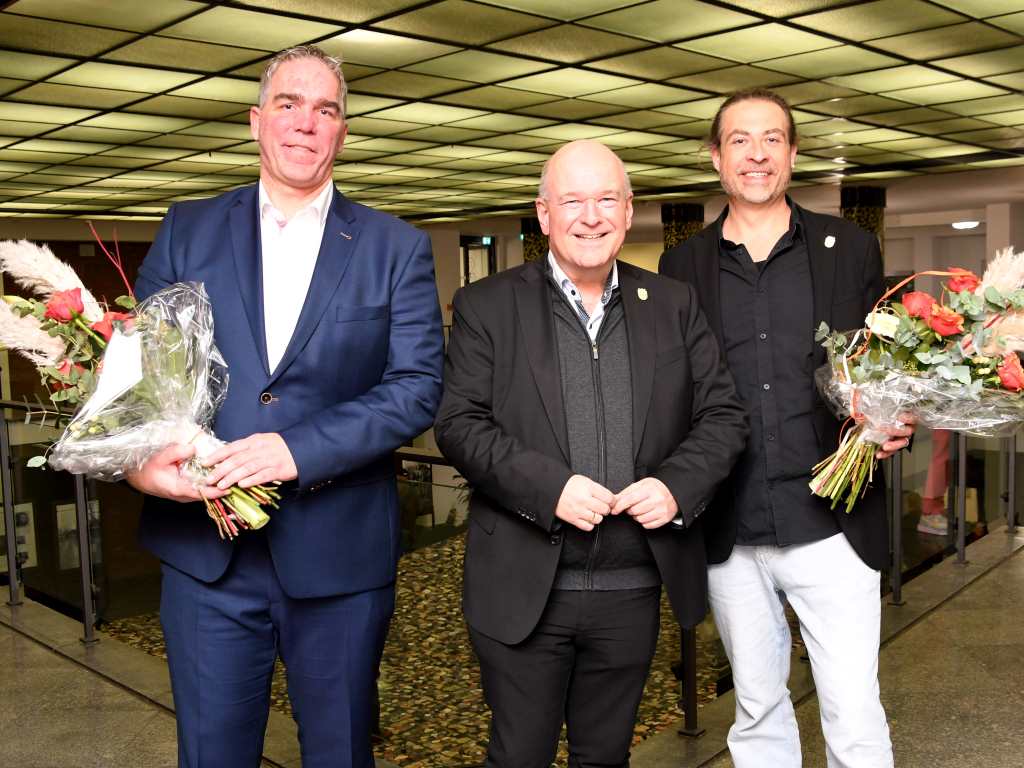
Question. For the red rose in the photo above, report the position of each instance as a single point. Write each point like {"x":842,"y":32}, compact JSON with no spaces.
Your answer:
{"x":1011,"y":375}
{"x":105,"y":325}
{"x":64,"y":305}
{"x":962,"y":280}
{"x":944,"y":321}
{"x":918,"y":304}
{"x":64,"y":369}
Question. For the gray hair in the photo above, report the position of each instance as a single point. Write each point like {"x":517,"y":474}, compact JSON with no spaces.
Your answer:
{"x":542,"y":188}
{"x":333,"y":63}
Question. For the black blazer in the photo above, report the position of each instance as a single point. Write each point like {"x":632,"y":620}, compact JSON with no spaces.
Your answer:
{"x":846,"y":274}
{"x":502,"y":424}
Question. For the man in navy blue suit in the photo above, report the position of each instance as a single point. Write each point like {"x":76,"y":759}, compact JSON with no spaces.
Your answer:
{"x":326,"y":312}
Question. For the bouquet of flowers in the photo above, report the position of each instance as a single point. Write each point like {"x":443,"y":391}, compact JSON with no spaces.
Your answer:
{"x":952,"y":363}
{"x":141,"y":379}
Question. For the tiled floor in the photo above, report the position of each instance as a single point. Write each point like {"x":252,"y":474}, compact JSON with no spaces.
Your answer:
{"x":56,"y":714}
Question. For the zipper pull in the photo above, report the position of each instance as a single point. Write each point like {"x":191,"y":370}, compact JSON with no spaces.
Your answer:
{"x":593,"y":347}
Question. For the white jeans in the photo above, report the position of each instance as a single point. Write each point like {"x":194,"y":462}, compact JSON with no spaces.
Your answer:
{"x":836,"y":597}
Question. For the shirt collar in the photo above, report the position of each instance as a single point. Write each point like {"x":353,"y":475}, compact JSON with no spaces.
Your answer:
{"x":795,"y":232}
{"x":563,"y":281}
{"x":319,"y":205}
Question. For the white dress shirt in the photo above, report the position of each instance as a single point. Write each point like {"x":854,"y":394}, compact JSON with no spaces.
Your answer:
{"x":591,"y":320}
{"x":290,"y":248}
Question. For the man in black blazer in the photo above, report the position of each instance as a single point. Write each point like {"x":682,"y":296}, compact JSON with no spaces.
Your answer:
{"x":588,"y":404}
{"x":768,"y":273}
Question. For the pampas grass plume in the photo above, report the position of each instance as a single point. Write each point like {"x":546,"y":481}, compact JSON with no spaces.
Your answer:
{"x":1005,"y":272}
{"x":24,"y":335}
{"x":35,"y":268}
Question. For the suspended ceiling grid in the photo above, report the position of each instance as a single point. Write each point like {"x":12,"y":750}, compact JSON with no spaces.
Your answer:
{"x":118,"y":109}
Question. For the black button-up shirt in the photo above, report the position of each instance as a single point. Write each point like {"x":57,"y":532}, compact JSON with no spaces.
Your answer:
{"x":768,"y":330}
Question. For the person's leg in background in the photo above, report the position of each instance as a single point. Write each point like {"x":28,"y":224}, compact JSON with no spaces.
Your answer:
{"x":933,"y":504}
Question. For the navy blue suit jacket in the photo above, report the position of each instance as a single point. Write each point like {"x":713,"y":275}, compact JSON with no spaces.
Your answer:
{"x":361,"y":375}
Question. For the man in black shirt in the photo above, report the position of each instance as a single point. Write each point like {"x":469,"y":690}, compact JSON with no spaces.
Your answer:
{"x":767,"y":273}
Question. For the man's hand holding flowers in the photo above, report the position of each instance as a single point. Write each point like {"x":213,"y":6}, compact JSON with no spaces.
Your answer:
{"x":900,"y":436}
{"x":161,"y":475}
{"x":258,"y":459}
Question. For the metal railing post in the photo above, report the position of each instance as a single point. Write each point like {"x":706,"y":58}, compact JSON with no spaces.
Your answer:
{"x":961,"y":499}
{"x":10,"y":531}
{"x":687,"y":675}
{"x":1011,"y":483}
{"x":85,"y":562}
{"x":896,"y":520}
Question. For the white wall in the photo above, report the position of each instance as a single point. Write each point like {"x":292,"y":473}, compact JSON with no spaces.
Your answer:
{"x":919,"y":248}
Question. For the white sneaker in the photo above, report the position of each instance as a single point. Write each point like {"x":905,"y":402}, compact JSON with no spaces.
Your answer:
{"x":934,"y":524}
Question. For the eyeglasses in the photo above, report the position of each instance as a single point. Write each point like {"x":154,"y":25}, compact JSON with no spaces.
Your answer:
{"x":577,"y":204}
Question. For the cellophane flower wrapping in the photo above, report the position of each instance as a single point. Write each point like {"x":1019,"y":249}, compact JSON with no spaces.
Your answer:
{"x":161,"y":383}
{"x":884,"y":392}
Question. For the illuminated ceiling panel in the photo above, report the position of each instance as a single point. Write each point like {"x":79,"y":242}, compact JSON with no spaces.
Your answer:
{"x":355,"y":11}
{"x":982,"y":8}
{"x":734,"y":78}
{"x":478,"y":66}
{"x":234,"y":26}
{"x":55,"y":37}
{"x":570,"y":82}
{"x":829,"y":62}
{"x":364,"y":46}
{"x":455,"y":104}
{"x":879,"y":19}
{"x":569,"y":44}
{"x":70,"y":95}
{"x":143,"y":18}
{"x":465,"y":22}
{"x":666,"y":21}
{"x":768,"y":41}
{"x":659,"y":63}
{"x":947,"y":41}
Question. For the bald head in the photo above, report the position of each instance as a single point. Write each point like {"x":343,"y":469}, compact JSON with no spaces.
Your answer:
{"x":585,"y":207}
{"x":583,"y":151}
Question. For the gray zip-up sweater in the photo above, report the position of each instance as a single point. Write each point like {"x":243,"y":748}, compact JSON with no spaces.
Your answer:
{"x":597,"y":392}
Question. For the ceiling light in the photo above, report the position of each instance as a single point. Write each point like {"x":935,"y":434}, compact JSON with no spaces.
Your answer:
{"x":965,"y":224}
{"x":837,"y":98}
{"x":838,"y":159}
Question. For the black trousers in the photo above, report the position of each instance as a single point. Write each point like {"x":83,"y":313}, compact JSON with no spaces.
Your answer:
{"x":586,"y":663}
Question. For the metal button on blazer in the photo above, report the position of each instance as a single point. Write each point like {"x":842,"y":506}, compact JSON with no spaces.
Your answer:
{"x":266,"y":398}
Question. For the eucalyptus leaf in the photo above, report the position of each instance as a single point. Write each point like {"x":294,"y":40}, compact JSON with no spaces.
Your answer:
{"x":962,"y":373}
{"x":992,"y":296}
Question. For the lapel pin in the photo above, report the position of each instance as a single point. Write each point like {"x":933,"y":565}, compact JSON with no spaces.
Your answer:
{"x":830,"y":241}
{"x":347,"y":236}
{"x":641,"y":294}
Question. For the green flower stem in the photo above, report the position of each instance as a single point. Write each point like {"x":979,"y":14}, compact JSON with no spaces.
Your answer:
{"x":246,"y":507}
{"x":847,"y":472}
{"x":96,"y":337}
